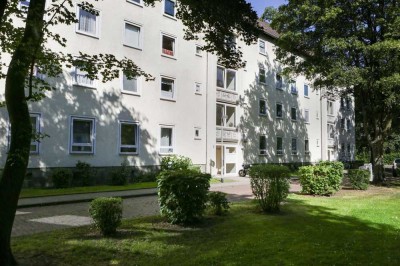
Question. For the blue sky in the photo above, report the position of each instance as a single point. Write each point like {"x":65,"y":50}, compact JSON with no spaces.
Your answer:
{"x":260,"y":5}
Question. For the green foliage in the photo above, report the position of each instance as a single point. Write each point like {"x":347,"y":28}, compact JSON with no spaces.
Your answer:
{"x":120,"y":177}
{"x":176,"y":162}
{"x":322,"y":179}
{"x":183,"y":195}
{"x":218,"y":202}
{"x":270,"y":185}
{"x":359,"y":179}
{"x":83,"y":174}
{"x":146,"y":177}
{"x":107,"y":214}
{"x":62,"y":178}
{"x":389,"y":157}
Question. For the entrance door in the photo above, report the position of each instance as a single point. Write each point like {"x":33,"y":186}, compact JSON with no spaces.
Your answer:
{"x":225,"y":158}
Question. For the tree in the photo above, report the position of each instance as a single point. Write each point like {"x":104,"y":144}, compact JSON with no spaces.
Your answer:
{"x":350,"y":45}
{"x":213,"y":20}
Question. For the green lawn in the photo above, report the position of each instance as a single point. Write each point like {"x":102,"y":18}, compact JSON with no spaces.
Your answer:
{"x":351,"y":228}
{"x":40,"y":192}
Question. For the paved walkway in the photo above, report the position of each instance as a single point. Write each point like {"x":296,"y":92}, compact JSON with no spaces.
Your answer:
{"x":44,"y":214}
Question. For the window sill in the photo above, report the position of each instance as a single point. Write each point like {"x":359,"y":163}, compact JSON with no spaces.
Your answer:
{"x":279,"y":89}
{"x":131,"y":93}
{"x":261,"y":53}
{"x":308,"y":97}
{"x":81,"y":153}
{"x":128,"y":153}
{"x":94,"y":36}
{"x":167,"y":99}
{"x":170,"y":17}
{"x":133,"y":47}
{"x":263,"y":115}
{"x":166,"y":154}
{"x":197,"y":138}
{"x":199,"y":55}
{"x":134,"y":3}
{"x":295,"y":154}
{"x":279,"y":118}
{"x":279,"y":154}
{"x":294,"y":120}
{"x":227,"y":90}
{"x":198,"y":93}
{"x":169,"y":56}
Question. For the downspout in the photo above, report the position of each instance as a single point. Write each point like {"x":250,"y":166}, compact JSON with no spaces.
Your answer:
{"x":206,"y":87}
{"x":320,"y":117}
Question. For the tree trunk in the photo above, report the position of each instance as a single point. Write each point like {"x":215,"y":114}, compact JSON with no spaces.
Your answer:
{"x":377,"y":160}
{"x":21,"y":128}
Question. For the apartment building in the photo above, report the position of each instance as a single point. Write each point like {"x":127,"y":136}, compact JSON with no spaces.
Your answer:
{"x":218,"y":117}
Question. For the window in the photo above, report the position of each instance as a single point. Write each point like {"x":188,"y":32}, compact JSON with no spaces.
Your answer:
{"x":261,"y":47}
{"x":88,"y":23}
{"x":306,"y":146}
{"x":129,"y":85}
{"x":82,"y":135}
{"x":279,"y":110}
{"x":167,"y":88}
{"x":262,"y":107}
{"x":169,"y":8}
{"x":307,"y":116}
{"x":35,"y":121}
{"x":24,"y":5}
{"x":226,"y":115}
{"x":305,"y":90}
{"x":168,"y":45}
{"x":293,"y":113}
{"x":348,"y":124}
{"x":294,"y":146}
{"x":348,"y":103}
{"x":139,"y":2}
{"x":132,"y":35}
{"x":279,"y":146}
{"x":342,"y":148}
{"x":330,"y":108}
{"x":263,"y":145}
{"x":199,"y":51}
{"x":261,"y":75}
{"x":348,"y":149}
{"x":341,"y":103}
{"x":342,"y":123}
{"x":279,"y":82}
{"x":128,"y":138}
{"x":80,"y":78}
{"x":317,"y":142}
{"x":197,"y":88}
{"x":166,"y":140}
{"x":331,"y":131}
{"x":293,"y":87}
{"x":38,"y":73}
{"x":226,"y":79}
{"x":231,"y":42}
{"x":197,"y":133}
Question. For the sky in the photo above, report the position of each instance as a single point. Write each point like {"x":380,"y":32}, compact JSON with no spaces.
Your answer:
{"x":260,"y":5}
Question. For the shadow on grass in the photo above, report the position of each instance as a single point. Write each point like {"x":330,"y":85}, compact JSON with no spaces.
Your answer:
{"x":303,"y":234}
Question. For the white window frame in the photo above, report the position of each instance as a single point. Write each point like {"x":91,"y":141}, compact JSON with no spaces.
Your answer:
{"x":306,"y":147}
{"x":307,"y":116}
{"x":279,"y":83}
{"x":175,"y":45}
{"x":328,"y":130}
{"x":308,"y":90}
{"x":120,"y":146}
{"x":260,"y":69}
{"x":135,"y":3}
{"x":276,"y":110}
{"x":198,"y":50}
{"x":76,"y":83}
{"x":224,"y":122}
{"x":172,"y":138}
{"x":92,"y":137}
{"x":259,"y":47}
{"x":291,"y":110}
{"x":36,"y":143}
{"x":294,"y":151}
{"x":198,"y":129}
{"x":330,"y":109}
{"x":168,"y":15}
{"x":98,"y":24}
{"x":262,"y":151}
{"x":138,"y":85}
{"x":173,"y":98}
{"x":279,"y":152}
{"x":293,"y":87}
{"x":140,"y":45}
{"x":259,"y":107}
{"x":225,"y":72}
{"x":198,"y":88}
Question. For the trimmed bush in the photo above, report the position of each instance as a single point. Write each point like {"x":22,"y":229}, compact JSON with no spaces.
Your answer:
{"x":107,"y":214}
{"x":62,"y":178}
{"x":183,"y":195}
{"x":322,"y":179}
{"x":83,"y":174}
{"x":217,"y":202}
{"x":145,"y":177}
{"x":176,"y":162}
{"x":120,"y":177}
{"x":270,"y":185}
{"x":359,"y":179}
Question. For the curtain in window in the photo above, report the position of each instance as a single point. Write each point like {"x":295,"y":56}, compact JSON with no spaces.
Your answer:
{"x":129,"y":84}
{"x":132,"y":34}
{"x":87,"y":22}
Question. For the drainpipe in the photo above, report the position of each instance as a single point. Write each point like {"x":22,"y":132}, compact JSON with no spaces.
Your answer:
{"x":207,"y":164}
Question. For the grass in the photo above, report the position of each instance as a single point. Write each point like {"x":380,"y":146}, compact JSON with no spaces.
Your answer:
{"x":41,"y":192}
{"x":351,"y":228}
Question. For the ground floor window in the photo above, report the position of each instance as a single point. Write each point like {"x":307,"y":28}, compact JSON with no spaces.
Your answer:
{"x":35,"y":120}
{"x":129,"y":137}
{"x":263,"y":145}
{"x":279,"y":145}
{"x":82,"y":135}
{"x":166,"y":139}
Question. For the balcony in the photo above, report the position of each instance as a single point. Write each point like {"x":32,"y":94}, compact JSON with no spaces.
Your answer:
{"x":227,"y":134}
{"x":227,"y":96}
{"x":331,"y":142}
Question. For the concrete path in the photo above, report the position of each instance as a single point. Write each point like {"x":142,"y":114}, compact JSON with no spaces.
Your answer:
{"x":45,"y":214}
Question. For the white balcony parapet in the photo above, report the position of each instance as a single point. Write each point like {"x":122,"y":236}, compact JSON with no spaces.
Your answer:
{"x":226,"y":96}
{"x":229,"y":134}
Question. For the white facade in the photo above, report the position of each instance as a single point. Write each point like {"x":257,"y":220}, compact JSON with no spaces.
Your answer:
{"x":187,"y":110}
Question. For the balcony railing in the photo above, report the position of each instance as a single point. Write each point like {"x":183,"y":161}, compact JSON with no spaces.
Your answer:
{"x":226,"y":96}
{"x":227,"y":134}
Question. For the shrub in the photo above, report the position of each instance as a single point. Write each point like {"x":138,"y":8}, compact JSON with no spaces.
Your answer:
{"x":270,"y":185}
{"x":62,"y":178}
{"x":106,"y":214}
{"x":83,"y":174}
{"x":218,"y":203}
{"x":398,"y":171}
{"x":359,"y":179}
{"x":322,"y":179}
{"x":145,"y":177}
{"x":183,"y":195}
{"x":120,"y":176}
{"x":176,"y":162}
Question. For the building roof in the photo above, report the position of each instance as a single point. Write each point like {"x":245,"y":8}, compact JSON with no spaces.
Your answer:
{"x":268,"y":30}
